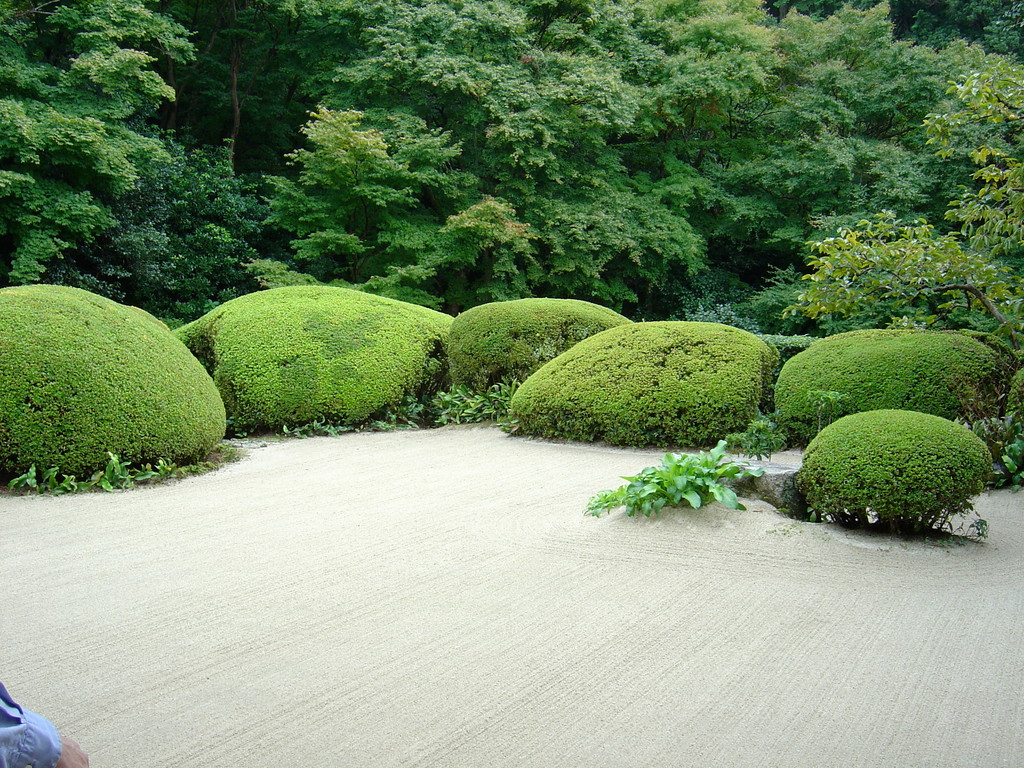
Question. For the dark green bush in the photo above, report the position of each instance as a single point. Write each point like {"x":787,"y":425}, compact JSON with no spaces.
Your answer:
{"x":1015,"y":398}
{"x":903,"y":471}
{"x":663,"y":383}
{"x":509,"y":340}
{"x":81,"y":375}
{"x":928,"y":371}
{"x":787,"y":345}
{"x":303,"y":354}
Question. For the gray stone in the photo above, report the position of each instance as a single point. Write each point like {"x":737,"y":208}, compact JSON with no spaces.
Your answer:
{"x":777,"y":486}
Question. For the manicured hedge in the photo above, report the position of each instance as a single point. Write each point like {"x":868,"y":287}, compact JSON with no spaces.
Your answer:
{"x":1015,"y":398}
{"x":926,"y":371}
{"x":509,"y":340}
{"x":81,"y":375}
{"x":905,"y":471}
{"x":294,"y":355}
{"x":663,"y":383}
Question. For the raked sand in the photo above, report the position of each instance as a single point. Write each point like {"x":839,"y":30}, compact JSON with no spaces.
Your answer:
{"x":437,"y":598}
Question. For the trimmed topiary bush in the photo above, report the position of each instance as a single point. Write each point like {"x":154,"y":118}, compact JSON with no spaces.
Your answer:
{"x":509,"y":340}
{"x":81,"y":375}
{"x":299,"y":354}
{"x":1015,"y":397}
{"x":665,"y":383}
{"x":903,"y":471}
{"x":928,"y":371}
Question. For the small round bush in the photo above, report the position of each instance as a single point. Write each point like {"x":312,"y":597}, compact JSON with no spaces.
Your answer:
{"x":926,"y":371}
{"x":904,"y":471}
{"x":81,"y":375}
{"x":509,"y":340}
{"x":665,"y":383}
{"x":299,"y":354}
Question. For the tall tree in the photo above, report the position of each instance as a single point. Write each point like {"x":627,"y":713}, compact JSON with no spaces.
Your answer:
{"x":75,"y":78}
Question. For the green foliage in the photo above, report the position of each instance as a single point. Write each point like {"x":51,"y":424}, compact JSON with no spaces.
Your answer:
{"x":787,"y":346}
{"x":760,"y":439}
{"x":462,"y":405}
{"x":694,"y":479}
{"x":355,"y":196}
{"x":115,"y":475}
{"x":901,"y":471}
{"x":923,"y":273}
{"x":243,"y":88}
{"x":1004,"y":437}
{"x":510,"y":340}
{"x":663,"y":383}
{"x":867,"y":370}
{"x":526,"y":117}
{"x":180,"y":242}
{"x":81,"y":375}
{"x":992,"y":215}
{"x":73,"y":85}
{"x":295,"y":355}
{"x":1015,"y":396}
{"x":832,"y":126}
{"x":911,"y":268}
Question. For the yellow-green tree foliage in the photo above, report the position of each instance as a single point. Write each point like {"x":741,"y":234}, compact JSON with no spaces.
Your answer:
{"x":81,"y":375}
{"x":509,"y":340}
{"x":664,"y":383}
{"x":297,"y":354}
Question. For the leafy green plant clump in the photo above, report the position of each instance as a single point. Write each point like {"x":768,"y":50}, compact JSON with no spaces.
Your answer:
{"x":760,"y":439}
{"x":81,"y":376}
{"x":303,"y":354}
{"x":509,"y":340}
{"x":681,"y":477}
{"x":461,"y":405}
{"x":927,"y":371}
{"x":901,"y":471}
{"x":1004,"y":437}
{"x":665,"y":383}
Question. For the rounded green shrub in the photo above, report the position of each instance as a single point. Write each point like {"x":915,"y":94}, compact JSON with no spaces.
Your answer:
{"x":1015,"y":397}
{"x":81,"y":375}
{"x":509,"y":340}
{"x":665,"y":383}
{"x":928,"y":371}
{"x":299,"y":354}
{"x":905,"y":471}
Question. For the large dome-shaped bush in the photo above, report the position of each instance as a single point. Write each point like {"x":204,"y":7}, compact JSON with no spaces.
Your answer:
{"x":905,"y":471}
{"x":665,"y":383}
{"x":298,"y":354}
{"x":81,"y":375}
{"x":509,"y":340}
{"x":927,"y":371}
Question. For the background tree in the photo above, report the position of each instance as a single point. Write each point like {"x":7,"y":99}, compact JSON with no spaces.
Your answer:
{"x":74,"y":79}
{"x":914,"y":268}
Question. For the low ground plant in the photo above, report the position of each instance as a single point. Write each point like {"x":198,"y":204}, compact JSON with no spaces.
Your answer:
{"x":693,"y":479}
{"x":462,"y":405}
{"x":116,"y":474}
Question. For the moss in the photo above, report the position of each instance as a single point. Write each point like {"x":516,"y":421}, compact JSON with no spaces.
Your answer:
{"x":906,"y":471}
{"x":664,"y":383}
{"x":81,"y":375}
{"x":509,"y":340}
{"x":297,"y":354}
{"x":927,"y":371}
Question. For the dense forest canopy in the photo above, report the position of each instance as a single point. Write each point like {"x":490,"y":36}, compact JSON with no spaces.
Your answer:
{"x":666,"y":158}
